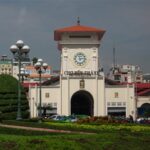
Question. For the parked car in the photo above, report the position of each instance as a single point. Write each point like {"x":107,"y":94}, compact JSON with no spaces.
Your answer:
{"x":143,"y":120}
{"x":71,"y":118}
{"x":58,"y":117}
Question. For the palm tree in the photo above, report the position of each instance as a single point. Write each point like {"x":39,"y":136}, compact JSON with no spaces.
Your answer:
{"x":34,"y":60}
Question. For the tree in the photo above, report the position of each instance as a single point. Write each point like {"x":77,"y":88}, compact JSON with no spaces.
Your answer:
{"x":34,"y":60}
{"x":9,"y":98}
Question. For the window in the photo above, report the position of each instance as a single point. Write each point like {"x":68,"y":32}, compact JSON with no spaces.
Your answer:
{"x":82,"y":83}
{"x":138,"y":78}
{"x":55,"y":104}
{"x":116,"y":95}
{"x":117,"y":77}
{"x":124,"y":103}
{"x":49,"y":104}
{"x":119,"y":104}
{"x":47,"y":95}
{"x":113,"y":104}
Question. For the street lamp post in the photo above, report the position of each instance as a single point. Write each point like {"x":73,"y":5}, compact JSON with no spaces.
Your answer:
{"x":19,"y":51}
{"x":40,"y":68}
{"x":23,"y":74}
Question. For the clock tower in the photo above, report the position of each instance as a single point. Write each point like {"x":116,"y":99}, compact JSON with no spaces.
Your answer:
{"x":80,"y":81}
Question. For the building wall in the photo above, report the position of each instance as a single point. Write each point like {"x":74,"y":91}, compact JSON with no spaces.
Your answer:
{"x":68,"y":58}
{"x":6,"y":67}
{"x":102,"y":97}
{"x":66,"y":38}
{"x":101,"y":103}
{"x":62,"y":95}
{"x":15,"y":68}
{"x":142,"y":100}
{"x":50,"y":96}
{"x":121,"y":96}
{"x":95,"y":86}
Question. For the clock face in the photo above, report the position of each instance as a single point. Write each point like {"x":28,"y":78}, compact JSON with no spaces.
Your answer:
{"x":80,"y":59}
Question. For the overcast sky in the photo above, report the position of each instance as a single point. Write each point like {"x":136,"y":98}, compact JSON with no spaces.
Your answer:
{"x":127,"y":24}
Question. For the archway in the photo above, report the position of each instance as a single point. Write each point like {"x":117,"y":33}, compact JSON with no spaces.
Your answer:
{"x":144,"y":110}
{"x":82,"y":103}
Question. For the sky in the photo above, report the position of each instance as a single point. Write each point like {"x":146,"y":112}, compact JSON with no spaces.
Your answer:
{"x":127,"y":25}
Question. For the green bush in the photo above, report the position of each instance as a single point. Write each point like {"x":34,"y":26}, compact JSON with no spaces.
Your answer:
{"x":8,"y":83}
{"x":9,"y":102}
{"x":9,"y":98}
{"x":9,"y":115}
{"x":101,"y":120}
{"x":13,"y":115}
{"x":8,"y":109}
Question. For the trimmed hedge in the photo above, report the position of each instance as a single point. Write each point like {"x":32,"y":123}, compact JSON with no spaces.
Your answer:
{"x":8,"y":84}
{"x":9,"y":98}
{"x":12,"y":115}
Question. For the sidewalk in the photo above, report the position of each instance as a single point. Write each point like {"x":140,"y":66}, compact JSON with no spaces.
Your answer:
{"x":42,"y":129}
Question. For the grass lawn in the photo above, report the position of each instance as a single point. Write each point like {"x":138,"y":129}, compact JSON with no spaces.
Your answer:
{"x":106,"y":137}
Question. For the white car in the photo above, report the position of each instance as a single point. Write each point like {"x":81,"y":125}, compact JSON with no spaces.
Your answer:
{"x":57,"y":117}
{"x":143,"y":120}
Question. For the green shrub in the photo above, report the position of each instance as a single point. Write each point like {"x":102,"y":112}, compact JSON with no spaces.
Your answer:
{"x":13,"y":115}
{"x":9,"y":98}
{"x":9,"y":115}
{"x":8,"y":83}
{"x":101,"y":120}
{"x":9,"y":102}
{"x":8,"y":109}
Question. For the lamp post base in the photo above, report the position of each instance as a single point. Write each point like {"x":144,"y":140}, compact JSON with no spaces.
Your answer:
{"x":19,"y":116}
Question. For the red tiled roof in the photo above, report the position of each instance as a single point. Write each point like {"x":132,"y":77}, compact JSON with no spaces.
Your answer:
{"x":138,"y":85}
{"x":77,"y":28}
{"x":27,"y":84}
{"x":142,"y":93}
{"x":142,"y":85}
{"x":142,"y":88}
{"x":37,"y":76}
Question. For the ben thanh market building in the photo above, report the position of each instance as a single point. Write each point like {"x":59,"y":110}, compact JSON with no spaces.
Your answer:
{"x":82,"y":87}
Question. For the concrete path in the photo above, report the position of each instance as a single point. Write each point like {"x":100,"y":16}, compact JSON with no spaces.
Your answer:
{"x":42,"y":129}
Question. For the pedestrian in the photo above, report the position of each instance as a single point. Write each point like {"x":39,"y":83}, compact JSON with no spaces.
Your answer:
{"x":131,"y":118}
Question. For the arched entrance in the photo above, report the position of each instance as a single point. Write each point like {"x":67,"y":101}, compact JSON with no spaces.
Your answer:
{"x":144,"y":110}
{"x":82,"y":103}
